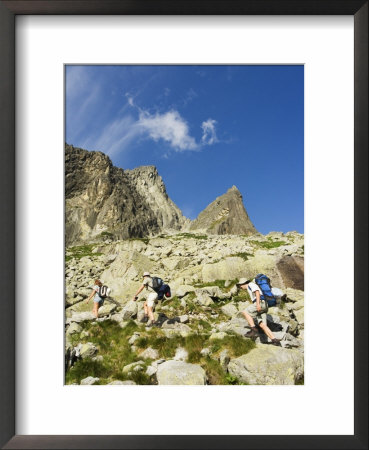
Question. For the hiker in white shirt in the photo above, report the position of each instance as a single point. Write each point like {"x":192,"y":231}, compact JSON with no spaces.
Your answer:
{"x":97,"y":299}
{"x":257,"y":311}
{"x":149,"y":304}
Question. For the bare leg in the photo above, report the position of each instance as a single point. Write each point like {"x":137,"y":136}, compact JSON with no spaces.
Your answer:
{"x":145,"y":309}
{"x":249,"y":319}
{"x":267,"y":330}
{"x":95,"y":311}
{"x":150,"y":313}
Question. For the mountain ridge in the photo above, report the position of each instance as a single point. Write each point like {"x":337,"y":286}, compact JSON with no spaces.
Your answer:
{"x":102,"y":200}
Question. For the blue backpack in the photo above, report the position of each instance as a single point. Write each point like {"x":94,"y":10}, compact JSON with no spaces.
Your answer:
{"x":264,"y":284}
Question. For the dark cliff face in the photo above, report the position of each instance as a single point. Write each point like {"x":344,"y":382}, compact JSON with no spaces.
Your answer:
{"x":100,"y":198}
{"x":225,"y":215}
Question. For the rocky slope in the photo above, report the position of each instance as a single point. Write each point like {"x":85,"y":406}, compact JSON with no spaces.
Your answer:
{"x":201,"y":335}
{"x":225,"y":215}
{"x":102,"y":199}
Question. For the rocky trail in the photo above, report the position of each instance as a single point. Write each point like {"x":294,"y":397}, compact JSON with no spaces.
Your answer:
{"x":201,"y":334}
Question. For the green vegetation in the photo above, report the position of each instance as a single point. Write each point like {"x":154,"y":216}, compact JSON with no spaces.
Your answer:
{"x":180,"y":236}
{"x":80,"y":251}
{"x":244,"y":255}
{"x":144,"y":240}
{"x":216,"y":373}
{"x":106,"y":234}
{"x":268,"y":244}
{"x":235,"y":344}
{"x":219,"y":283}
{"x":113,"y":346}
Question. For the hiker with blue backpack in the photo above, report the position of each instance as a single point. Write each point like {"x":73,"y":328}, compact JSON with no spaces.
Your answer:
{"x":262,"y":297}
{"x":158,"y":290}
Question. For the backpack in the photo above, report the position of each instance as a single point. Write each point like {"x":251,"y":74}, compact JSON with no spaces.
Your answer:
{"x":164,"y":291}
{"x":264,"y":284}
{"x":104,"y":291}
{"x":157,"y":283}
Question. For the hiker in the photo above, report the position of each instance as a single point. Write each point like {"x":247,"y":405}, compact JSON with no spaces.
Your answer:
{"x":149,"y":304}
{"x":257,"y":311}
{"x":97,"y":299}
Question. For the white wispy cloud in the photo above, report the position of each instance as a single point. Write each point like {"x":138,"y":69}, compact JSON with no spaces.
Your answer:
{"x":115,"y":137}
{"x":170,"y":127}
{"x":209,"y":136}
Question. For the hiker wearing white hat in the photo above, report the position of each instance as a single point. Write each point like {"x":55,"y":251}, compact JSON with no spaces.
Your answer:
{"x":149,"y":305}
{"x":257,"y":311}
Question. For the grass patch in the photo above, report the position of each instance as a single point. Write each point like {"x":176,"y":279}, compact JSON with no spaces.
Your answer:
{"x":268,"y":244}
{"x":85,"y":368}
{"x":244,"y":255}
{"x":106,"y":234}
{"x":166,"y":346}
{"x":113,"y":346}
{"x":235,"y":344}
{"x":219,"y":283}
{"x":80,"y":251}
{"x":216,"y":374}
{"x":194,"y":343}
{"x":144,"y":240}
{"x":180,"y":236}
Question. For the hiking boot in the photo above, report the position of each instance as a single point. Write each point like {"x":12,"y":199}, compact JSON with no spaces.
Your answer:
{"x":253,"y":333}
{"x":276,"y":342}
{"x":145,"y":319}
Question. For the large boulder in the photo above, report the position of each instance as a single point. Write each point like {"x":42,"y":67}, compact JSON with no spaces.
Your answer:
{"x":107,"y":309}
{"x":80,"y":317}
{"x":183,"y":290}
{"x":130,"y":310}
{"x":226,"y":269}
{"x":267,"y":364}
{"x":87,"y":350}
{"x":178,"y":372}
{"x":236,"y":325}
{"x":229,"y":310}
{"x":291,"y":269}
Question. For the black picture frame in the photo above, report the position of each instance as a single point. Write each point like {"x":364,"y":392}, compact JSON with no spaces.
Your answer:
{"x":8,"y":12}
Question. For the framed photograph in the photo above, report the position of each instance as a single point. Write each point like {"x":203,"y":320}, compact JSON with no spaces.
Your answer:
{"x":159,"y":113}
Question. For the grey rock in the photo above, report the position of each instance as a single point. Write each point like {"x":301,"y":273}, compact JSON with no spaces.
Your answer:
{"x":133,"y":367}
{"x":268,"y":364}
{"x":180,"y":373}
{"x":89,"y":381}
{"x":87,"y":350}
{"x":229,"y":310}
{"x":129,"y":310}
{"x":224,"y":359}
{"x":149,"y":353}
{"x":220,"y":335}
{"x":181,"y":354}
{"x":74,"y":328}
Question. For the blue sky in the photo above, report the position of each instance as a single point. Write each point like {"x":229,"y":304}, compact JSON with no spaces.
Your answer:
{"x":205,"y":128}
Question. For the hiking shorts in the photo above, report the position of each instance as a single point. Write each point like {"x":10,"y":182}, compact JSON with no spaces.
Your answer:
{"x":260,"y":316}
{"x":151,"y":299}
{"x":97,"y":298}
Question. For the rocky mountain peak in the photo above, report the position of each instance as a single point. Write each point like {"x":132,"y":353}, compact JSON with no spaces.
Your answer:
{"x":102,"y":199}
{"x":225,"y":215}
